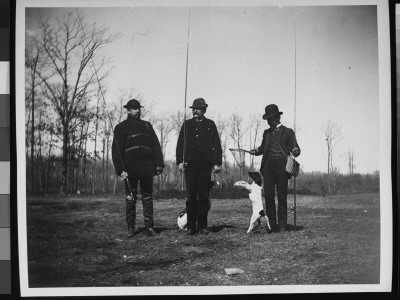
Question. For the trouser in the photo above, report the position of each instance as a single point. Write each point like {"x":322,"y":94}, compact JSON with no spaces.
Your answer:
{"x":275,"y":175}
{"x":146,"y":190}
{"x":197,"y":178}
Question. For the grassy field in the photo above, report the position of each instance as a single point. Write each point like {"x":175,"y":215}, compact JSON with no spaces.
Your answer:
{"x":82,"y":242}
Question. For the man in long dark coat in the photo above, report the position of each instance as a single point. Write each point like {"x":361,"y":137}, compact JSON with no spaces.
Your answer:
{"x":137,"y":157}
{"x":198,"y":152}
{"x":277,"y":143}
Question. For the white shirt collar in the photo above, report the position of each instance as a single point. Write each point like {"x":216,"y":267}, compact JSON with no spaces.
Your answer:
{"x":277,"y":127}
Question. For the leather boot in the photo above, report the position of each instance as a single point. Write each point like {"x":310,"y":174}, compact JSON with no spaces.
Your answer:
{"x":150,"y":231}
{"x":131,"y":231}
{"x":147,"y":202}
{"x":130,"y":214}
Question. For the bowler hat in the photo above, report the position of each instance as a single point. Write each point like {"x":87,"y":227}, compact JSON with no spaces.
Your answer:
{"x":199,"y":103}
{"x":255,"y":176}
{"x":271,"y":110}
{"x":133,"y":103}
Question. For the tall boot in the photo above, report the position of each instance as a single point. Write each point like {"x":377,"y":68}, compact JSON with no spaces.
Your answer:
{"x":130,"y":214}
{"x":191,"y":210}
{"x":147,"y":202}
{"x":202,"y":214}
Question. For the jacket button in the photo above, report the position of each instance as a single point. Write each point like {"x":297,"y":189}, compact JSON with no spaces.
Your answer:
{"x":197,"y":135}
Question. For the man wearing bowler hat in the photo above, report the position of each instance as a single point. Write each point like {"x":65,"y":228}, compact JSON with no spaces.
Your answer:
{"x":137,"y":157}
{"x":198,"y":152}
{"x":278,"y":142}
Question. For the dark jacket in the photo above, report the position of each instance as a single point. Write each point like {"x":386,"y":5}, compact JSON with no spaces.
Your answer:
{"x":136,"y":145}
{"x":201,"y":136}
{"x":286,"y":138}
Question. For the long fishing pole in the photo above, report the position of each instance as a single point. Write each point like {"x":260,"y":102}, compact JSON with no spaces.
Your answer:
{"x":105,"y":108}
{"x":294,"y":123}
{"x":184,"y":108}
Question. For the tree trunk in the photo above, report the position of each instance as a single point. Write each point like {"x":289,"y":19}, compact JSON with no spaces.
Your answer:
{"x":49,"y":161}
{"x":95,"y":145}
{"x":40,"y":158}
{"x":85,"y":160}
{"x":33,"y":138}
{"x":107,"y":163}
{"x":115,"y":184}
{"x":104,"y":164}
{"x":64,"y":174}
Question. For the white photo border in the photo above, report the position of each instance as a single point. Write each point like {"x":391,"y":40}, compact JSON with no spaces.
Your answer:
{"x":385,"y":129}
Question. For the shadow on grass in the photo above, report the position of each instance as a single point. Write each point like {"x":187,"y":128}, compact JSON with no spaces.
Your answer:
{"x":290,"y":227}
{"x":156,"y":229}
{"x":218,"y":228}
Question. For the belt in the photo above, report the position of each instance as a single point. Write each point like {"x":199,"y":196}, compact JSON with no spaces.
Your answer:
{"x":138,"y":147}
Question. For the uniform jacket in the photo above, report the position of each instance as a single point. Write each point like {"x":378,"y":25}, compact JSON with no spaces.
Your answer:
{"x":200,"y":136}
{"x":137,"y":144}
{"x":286,"y":138}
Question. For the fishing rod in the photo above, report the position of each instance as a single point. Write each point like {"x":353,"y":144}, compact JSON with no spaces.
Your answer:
{"x":294,"y":120}
{"x":184,"y":108}
{"x":105,"y":108}
{"x":186,"y":79}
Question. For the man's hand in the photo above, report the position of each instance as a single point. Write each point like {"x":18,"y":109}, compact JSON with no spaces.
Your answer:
{"x":216,"y":169}
{"x":295,"y":151}
{"x":159,"y":170}
{"x":181,"y":167}
{"x":124,"y":175}
{"x":253,"y":151}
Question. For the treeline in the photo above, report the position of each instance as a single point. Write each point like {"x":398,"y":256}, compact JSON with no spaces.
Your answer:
{"x":70,"y":115}
{"x":99,"y":178}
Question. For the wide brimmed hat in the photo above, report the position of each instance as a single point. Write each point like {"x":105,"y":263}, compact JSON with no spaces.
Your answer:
{"x":199,"y":103}
{"x":255,"y":176}
{"x":133,"y":103}
{"x":271,"y":110}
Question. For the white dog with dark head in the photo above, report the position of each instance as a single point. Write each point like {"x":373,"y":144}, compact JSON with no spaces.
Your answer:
{"x":256,"y":201}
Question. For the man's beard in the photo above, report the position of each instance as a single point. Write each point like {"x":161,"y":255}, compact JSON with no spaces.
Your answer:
{"x":135,"y":115}
{"x":197,"y":115}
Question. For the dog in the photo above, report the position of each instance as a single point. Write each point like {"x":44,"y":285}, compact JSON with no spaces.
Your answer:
{"x":182,"y":220}
{"x":256,"y":201}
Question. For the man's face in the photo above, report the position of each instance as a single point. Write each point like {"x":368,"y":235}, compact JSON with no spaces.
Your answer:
{"x":274,"y":120}
{"x":134,"y":112}
{"x":198,"y":113}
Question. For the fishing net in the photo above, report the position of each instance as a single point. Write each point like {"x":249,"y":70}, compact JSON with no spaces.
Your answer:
{"x":238,"y":155}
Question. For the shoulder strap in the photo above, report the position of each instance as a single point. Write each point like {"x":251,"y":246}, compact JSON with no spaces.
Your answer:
{"x":147,"y":126}
{"x":279,"y":144}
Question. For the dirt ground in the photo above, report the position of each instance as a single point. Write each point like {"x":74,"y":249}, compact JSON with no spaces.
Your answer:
{"x":82,"y":242}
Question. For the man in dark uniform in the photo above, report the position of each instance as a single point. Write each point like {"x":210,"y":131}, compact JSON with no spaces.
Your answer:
{"x":198,"y":152}
{"x":137,"y":157}
{"x":277,"y":143}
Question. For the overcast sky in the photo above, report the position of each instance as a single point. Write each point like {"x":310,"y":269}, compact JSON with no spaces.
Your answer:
{"x":242,"y":58}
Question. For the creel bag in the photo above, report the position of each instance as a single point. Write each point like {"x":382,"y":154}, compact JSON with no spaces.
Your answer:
{"x":292,"y":166}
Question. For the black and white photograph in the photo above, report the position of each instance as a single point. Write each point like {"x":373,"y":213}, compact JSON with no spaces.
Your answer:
{"x":203,"y":148}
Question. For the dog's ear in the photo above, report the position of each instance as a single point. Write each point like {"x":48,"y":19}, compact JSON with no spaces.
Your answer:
{"x":182,"y":213}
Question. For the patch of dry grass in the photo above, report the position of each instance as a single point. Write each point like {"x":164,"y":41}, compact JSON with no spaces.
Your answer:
{"x":82,"y":242}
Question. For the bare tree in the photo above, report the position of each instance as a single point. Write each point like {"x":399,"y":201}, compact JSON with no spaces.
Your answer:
{"x":236,"y":133}
{"x":255,"y":122}
{"x":177,"y":121}
{"x":33,"y":60}
{"x":164,"y":129}
{"x":332,"y":134}
{"x":350,"y":156}
{"x":70,"y":44}
{"x":222,"y":127}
